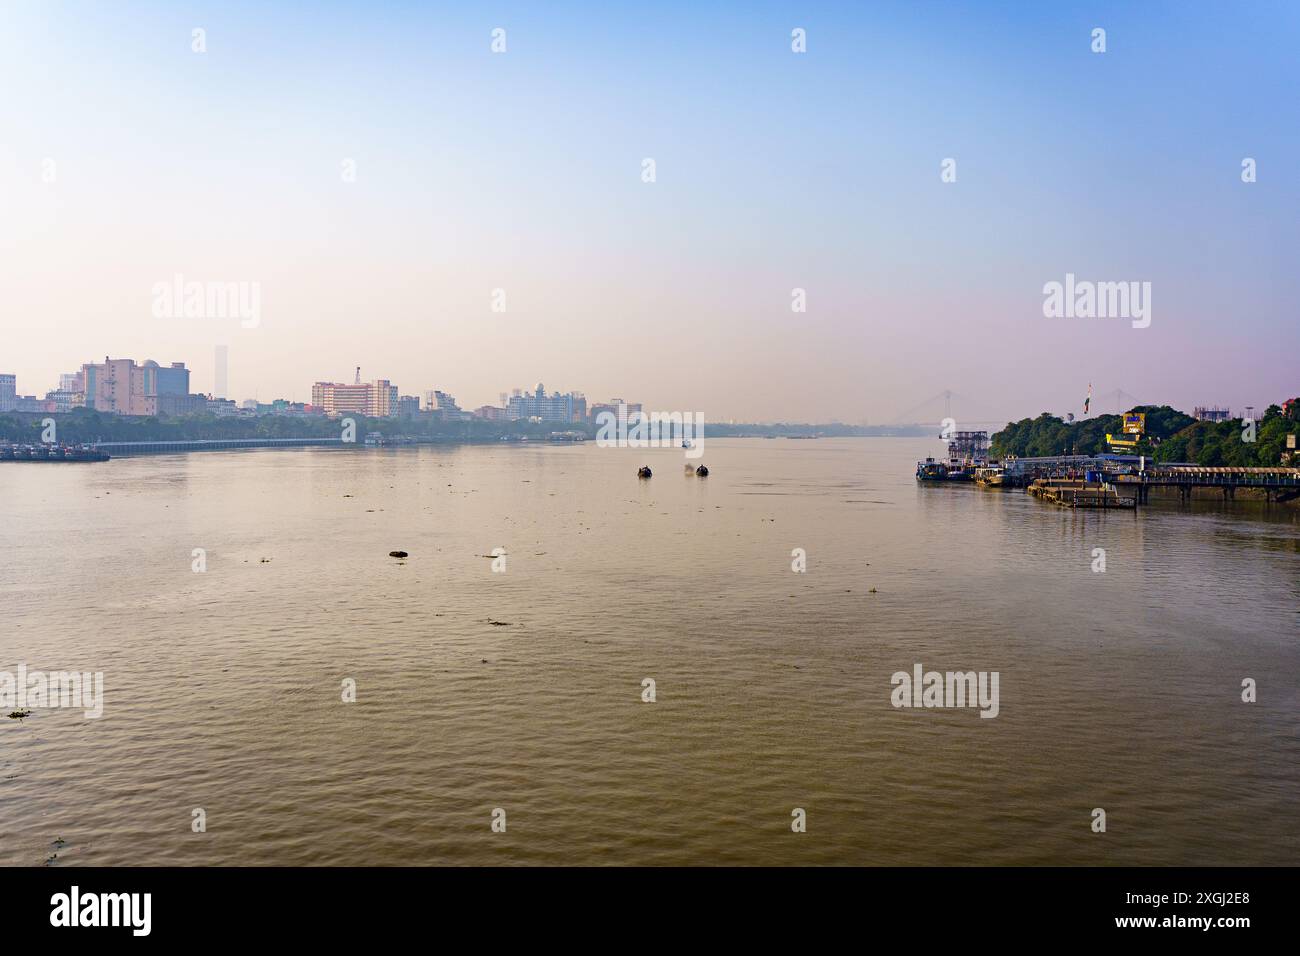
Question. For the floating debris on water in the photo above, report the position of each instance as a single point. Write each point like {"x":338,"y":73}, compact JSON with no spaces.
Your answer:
{"x":20,"y":714}
{"x":398,"y":554}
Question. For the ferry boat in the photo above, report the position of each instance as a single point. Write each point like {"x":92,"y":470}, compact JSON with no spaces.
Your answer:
{"x":990,"y":476}
{"x":932,"y":470}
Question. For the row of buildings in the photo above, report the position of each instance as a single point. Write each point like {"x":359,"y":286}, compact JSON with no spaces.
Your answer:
{"x":119,"y":386}
{"x":63,"y":399}
{"x":123,"y":387}
{"x":381,"y":399}
{"x":537,"y":406}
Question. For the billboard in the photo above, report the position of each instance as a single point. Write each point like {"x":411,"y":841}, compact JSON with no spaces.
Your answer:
{"x":1135,"y":423}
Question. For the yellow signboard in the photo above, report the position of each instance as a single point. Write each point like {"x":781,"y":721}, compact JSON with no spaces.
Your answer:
{"x":1135,"y":423}
{"x":1120,"y":442}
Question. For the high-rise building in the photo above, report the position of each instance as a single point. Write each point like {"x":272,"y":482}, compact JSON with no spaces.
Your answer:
{"x":108,"y":385}
{"x":8,"y":392}
{"x":174,"y":380}
{"x":377,"y":399}
{"x":547,"y":408}
{"x":117,"y":386}
{"x":338,"y":398}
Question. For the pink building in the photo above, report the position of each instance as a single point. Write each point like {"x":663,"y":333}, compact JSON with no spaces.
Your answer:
{"x":118,"y":386}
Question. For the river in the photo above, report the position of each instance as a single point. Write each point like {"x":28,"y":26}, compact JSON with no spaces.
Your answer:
{"x":516,"y":685}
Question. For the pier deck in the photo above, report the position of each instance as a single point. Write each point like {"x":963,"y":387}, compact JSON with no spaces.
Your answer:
{"x":1129,"y":473}
{"x":1070,"y":493}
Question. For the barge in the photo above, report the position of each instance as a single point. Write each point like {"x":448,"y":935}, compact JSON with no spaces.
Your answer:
{"x":14,"y":452}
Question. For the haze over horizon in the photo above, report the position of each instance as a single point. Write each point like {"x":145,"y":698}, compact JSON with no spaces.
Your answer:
{"x":775,"y":171}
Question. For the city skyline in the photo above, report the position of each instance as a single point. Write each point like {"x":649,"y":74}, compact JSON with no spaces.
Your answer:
{"x":381,"y":398}
{"x":381,"y":214}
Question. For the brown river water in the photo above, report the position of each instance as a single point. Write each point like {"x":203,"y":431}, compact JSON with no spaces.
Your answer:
{"x":223,"y":689}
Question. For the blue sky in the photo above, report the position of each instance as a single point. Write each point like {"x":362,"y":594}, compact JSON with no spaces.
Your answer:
{"x":775,"y":170}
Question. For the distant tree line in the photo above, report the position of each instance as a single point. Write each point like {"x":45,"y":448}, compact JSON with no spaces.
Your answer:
{"x":88,"y":425}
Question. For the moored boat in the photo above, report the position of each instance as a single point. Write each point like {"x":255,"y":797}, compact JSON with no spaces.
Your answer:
{"x":932,"y":470}
{"x":52,"y":452}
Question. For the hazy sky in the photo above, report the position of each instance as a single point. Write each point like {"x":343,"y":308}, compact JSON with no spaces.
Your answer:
{"x":523,"y":171}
